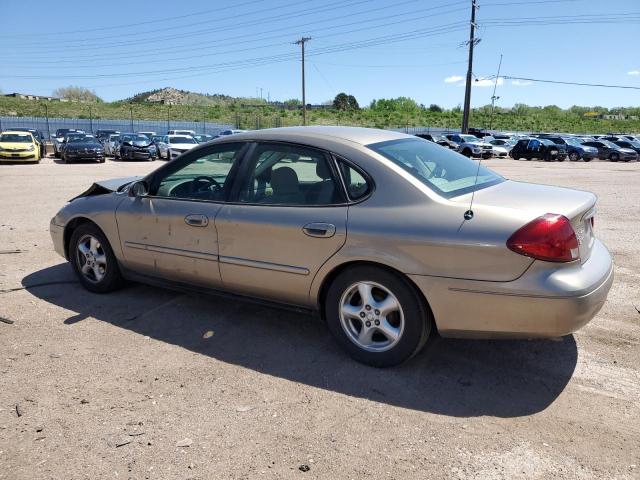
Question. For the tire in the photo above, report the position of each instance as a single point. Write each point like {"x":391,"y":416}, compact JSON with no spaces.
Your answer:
{"x":64,"y":159}
{"x":104,"y":274}
{"x":614,"y":157}
{"x":410,"y":324}
{"x":56,"y":154}
{"x":587,"y":159}
{"x":574,"y":157}
{"x":466,"y":152}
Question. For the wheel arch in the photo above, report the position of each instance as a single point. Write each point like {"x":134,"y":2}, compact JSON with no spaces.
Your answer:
{"x":338,"y":269}
{"x":71,"y":227}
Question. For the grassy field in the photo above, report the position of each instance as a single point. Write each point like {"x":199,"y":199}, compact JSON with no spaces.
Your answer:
{"x":263,"y":116}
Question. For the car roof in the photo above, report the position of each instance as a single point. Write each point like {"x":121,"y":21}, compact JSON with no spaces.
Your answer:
{"x":26,"y":132}
{"x":359,"y":135}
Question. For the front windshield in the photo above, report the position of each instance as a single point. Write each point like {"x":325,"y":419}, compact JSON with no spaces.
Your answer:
{"x":181,"y":140}
{"x":16,"y":138}
{"x":608,"y":143}
{"x":443,"y":171}
{"x":140,"y":138}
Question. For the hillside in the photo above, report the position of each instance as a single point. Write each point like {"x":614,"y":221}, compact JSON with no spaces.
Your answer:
{"x":393,"y":113}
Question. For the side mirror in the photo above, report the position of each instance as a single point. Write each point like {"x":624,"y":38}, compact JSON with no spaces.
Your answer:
{"x":139,"y":189}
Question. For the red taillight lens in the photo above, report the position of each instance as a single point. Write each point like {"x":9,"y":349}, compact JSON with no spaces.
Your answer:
{"x":550,"y":238}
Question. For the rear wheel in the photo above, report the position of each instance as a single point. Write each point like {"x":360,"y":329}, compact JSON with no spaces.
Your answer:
{"x":93,"y":260}
{"x":377,"y":316}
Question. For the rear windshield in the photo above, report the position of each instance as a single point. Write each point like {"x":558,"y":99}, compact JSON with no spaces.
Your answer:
{"x":181,"y":140}
{"x":443,"y":171}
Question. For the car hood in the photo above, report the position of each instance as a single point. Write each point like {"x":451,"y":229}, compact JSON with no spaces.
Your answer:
{"x":106,"y":186}
{"x":84,"y":145}
{"x":141,"y":143}
{"x":183,"y":145}
{"x":626,"y":150}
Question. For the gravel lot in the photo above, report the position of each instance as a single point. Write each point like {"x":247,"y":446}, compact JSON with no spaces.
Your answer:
{"x":147,"y":383}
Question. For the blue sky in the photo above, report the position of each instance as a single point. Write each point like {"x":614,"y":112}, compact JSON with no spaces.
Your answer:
{"x":368,"y":48}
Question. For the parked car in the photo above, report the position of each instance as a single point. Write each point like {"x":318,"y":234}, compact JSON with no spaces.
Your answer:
{"x":37,"y":135}
{"x":575,"y":149}
{"x":103,"y":135}
{"x":203,"y":137}
{"x":629,"y":144}
{"x":19,"y":146}
{"x":110,"y":143}
{"x":79,"y":147}
{"x":223,"y":133}
{"x":136,"y":147}
{"x":68,"y":138}
{"x":470,"y":145}
{"x":58,"y":139}
{"x":541,"y":148}
{"x":175,"y":145}
{"x":371,"y":228}
{"x":610,"y":151}
{"x":443,"y":142}
{"x":506,"y":143}
{"x":190,"y":133}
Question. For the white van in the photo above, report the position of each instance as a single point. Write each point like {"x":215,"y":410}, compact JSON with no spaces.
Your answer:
{"x":181,"y":132}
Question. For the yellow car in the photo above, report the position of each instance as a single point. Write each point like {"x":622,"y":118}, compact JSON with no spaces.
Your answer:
{"x":19,"y":147}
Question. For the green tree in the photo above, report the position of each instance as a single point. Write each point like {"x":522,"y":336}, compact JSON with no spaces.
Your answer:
{"x":76,"y":94}
{"x":435,"y":108}
{"x":345,"y":102}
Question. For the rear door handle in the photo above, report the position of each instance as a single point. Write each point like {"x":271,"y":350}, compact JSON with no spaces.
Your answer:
{"x":196,"y":220}
{"x":319,"y":229}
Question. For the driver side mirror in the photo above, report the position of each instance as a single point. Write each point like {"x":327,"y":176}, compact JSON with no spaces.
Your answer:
{"x":139,"y":189}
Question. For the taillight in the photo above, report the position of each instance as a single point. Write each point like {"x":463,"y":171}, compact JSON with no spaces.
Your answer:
{"x":549,"y":237}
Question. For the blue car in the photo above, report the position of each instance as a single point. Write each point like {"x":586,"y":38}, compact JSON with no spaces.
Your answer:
{"x":575,"y":149}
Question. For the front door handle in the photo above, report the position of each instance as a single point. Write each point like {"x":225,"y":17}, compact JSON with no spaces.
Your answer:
{"x":196,"y":220}
{"x":319,"y":229}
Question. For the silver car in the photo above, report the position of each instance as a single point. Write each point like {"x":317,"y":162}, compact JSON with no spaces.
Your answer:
{"x":110,"y":144}
{"x":389,"y":237}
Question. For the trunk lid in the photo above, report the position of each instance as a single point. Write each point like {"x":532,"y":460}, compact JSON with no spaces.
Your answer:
{"x":534,"y":200}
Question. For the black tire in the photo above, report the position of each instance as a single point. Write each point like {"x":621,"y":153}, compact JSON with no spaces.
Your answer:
{"x":63,"y":159}
{"x":466,"y":152}
{"x":614,"y":157}
{"x":587,"y":159}
{"x":574,"y":157}
{"x":418,"y":321}
{"x":56,"y":154}
{"x":112,"y":279}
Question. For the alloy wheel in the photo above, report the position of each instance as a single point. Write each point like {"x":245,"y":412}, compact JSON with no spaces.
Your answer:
{"x":371,"y":316}
{"x":92,"y":259}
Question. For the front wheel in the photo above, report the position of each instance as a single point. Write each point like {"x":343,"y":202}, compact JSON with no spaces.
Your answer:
{"x":574,"y":157}
{"x":614,"y":157}
{"x":377,"y":316}
{"x":93,"y":260}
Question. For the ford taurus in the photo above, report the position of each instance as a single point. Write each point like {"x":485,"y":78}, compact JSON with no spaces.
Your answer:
{"x":388,"y":236}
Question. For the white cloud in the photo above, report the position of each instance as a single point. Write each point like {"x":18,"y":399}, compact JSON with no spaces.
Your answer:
{"x":634,"y":72}
{"x":487,"y":82}
{"x":521,"y":83}
{"x":453,"y":79}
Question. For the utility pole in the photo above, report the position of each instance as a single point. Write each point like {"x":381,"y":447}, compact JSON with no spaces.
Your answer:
{"x":467,"y":91}
{"x":90,"y":120}
{"x":131,"y":113}
{"x":46,"y":114}
{"x":168,"y":117}
{"x":301,"y":42}
{"x":493,"y":97}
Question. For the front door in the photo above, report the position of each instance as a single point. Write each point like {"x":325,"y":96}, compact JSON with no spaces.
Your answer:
{"x":171,"y":232}
{"x":288,"y":219}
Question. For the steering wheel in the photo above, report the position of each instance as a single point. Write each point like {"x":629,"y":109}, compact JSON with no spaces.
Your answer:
{"x":206,"y":182}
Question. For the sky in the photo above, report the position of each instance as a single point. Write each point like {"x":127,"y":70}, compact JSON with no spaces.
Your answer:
{"x":367,"y":48}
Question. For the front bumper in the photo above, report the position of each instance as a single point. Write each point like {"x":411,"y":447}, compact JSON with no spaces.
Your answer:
{"x":57,"y":237}
{"x":546,"y":301}
{"x":138,"y":155}
{"x":9,"y":156}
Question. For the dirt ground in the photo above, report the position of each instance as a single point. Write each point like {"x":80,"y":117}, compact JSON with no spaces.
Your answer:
{"x":148,"y":383}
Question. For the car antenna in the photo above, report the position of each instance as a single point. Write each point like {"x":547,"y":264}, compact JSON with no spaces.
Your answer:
{"x":468,"y":215}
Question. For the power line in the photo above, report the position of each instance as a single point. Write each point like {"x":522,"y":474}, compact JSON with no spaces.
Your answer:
{"x":261,"y":39}
{"x":581,"y":84}
{"x":137,"y":24}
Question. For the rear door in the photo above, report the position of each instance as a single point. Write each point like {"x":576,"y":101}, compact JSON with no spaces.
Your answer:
{"x":171,"y":232}
{"x":288,"y":218}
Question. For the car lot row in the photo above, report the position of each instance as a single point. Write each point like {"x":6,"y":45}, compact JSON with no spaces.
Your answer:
{"x":543,"y":146}
{"x":70,"y":145}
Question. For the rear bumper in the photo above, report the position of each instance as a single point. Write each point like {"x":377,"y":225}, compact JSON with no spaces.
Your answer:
{"x":546,"y":301}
